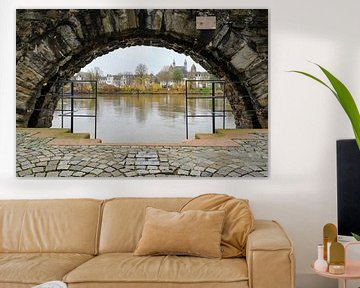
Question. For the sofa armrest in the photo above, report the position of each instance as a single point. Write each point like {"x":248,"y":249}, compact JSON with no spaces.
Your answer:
{"x":269,"y":256}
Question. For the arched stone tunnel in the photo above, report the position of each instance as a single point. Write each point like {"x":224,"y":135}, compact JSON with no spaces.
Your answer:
{"x":55,"y":44}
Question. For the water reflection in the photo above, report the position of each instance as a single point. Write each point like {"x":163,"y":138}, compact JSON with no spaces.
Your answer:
{"x":149,"y":118}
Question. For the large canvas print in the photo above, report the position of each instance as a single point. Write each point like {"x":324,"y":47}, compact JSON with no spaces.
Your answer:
{"x":142,"y":93}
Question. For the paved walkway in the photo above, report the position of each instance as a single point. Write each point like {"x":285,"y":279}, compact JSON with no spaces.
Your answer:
{"x":36,"y":156}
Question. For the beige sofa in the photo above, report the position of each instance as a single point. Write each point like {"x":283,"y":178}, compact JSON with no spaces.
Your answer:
{"x":89,"y":243}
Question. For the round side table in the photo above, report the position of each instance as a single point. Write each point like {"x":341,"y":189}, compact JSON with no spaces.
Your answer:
{"x":352,"y":269}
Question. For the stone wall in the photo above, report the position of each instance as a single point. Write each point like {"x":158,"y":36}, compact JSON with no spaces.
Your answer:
{"x":55,"y":44}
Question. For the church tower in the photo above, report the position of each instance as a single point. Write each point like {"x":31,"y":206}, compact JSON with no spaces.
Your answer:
{"x":193,"y":68}
{"x":192,"y":73}
{"x":185,"y":65}
{"x":174,"y":63}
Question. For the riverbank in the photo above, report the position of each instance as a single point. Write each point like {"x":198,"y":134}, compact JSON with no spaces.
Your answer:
{"x":150,"y":93}
{"x":144,"y":93}
{"x":133,"y":90}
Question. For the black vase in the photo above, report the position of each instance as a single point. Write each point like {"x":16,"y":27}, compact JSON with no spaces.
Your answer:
{"x":348,"y":187}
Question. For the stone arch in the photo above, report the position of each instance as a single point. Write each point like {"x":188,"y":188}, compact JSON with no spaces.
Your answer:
{"x":55,"y":44}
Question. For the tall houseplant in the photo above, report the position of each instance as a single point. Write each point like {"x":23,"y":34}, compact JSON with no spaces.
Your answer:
{"x":344,"y":97}
{"x":346,"y":100}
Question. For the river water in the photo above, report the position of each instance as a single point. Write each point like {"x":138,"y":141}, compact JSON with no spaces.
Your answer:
{"x":148,"y":118}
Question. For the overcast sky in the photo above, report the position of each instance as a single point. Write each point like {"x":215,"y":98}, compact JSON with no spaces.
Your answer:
{"x":126,"y":60}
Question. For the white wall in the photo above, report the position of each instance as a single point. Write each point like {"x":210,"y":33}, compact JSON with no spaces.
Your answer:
{"x":305,"y":120}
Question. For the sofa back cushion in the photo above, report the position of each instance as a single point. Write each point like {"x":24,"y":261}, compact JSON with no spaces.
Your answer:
{"x":66,"y":226}
{"x":123,"y":220}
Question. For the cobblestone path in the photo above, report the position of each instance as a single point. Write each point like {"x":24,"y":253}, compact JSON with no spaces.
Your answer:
{"x":36,"y":158}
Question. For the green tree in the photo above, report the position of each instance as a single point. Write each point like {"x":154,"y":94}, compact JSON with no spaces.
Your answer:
{"x":177,"y":75}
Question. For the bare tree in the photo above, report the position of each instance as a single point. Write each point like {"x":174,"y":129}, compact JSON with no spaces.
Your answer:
{"x":165,"y":75}
{"x":94,"y":74}
{"x":141,"y":74}
{"x":141,"y":70}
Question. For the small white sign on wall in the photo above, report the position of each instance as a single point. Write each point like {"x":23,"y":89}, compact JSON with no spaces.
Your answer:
{"x":206,"y":22}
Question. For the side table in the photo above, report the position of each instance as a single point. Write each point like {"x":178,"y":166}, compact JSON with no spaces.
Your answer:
{"x":352,"y":269}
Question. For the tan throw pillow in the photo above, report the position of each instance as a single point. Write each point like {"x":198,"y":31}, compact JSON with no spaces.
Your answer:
{"x":239,"y":220}
{"x":196,"y":233}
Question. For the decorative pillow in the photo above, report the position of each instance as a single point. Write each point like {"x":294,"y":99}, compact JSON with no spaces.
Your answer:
{"x":239,"y":221}
{"x":196,"y":233}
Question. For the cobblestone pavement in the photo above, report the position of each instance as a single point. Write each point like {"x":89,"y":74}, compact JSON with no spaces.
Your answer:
{"x":36,"y":158}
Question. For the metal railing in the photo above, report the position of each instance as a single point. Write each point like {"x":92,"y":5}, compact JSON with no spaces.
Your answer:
{"x":247,"y":96}
{"x":72,"y":96}
{"x":213,"y":97}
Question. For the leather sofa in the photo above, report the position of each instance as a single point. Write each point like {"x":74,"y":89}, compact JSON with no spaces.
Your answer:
{"x":89,"y":243}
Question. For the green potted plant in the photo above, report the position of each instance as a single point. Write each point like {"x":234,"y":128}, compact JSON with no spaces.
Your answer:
{"x":346,"y":100}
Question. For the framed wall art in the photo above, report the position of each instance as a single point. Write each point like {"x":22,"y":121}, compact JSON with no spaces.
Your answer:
{"x":142,"y":93}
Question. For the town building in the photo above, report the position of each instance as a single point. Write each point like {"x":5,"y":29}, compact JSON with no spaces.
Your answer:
{"x":190,"y":75}
{"x":128,"y":79}
{"x":183,"y":68}
{"x":119,"y":80}
{"x":201,"y":78}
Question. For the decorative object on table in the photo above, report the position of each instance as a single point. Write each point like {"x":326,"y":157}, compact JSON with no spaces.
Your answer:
{"x":336,"y":269}
{"x":344,"y":97}
{"x":332,"y":251}
{"x":350,"y":270}
{"x":52,"y":284}
{"x":320,"y":264}
{"x":329,"y":236}
{"x":337,"y":258}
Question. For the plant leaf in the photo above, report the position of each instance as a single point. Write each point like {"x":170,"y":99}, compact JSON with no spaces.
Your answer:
{"x":344,"y":97}
{"x":357,"y":137}
{"x":347,"y":102}
{"x":316,"y":79}
{"x":357,"y":237}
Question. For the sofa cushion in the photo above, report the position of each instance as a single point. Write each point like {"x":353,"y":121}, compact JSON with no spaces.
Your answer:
{"x":62,"y":226}
{"x":238,"y":223}
{"x":123,"y":220}
{"x":193,"y":232}
{"x":126,"y":268}
{"x":36,"y":268}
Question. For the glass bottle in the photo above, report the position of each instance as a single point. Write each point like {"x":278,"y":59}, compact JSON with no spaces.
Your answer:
{"x":320,"y":264}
